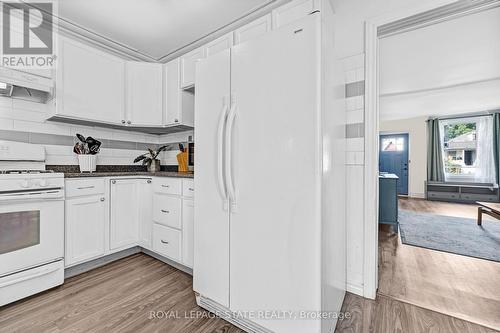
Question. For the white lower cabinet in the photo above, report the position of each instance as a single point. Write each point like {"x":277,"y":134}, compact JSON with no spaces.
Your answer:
{"x":187,"y":232}
{"x":145,"y":193}
{"x":106,"y":215}
{"x":86,"y":224}
{"x":124,"y":214}
{"x":167,"y":210}
{"x":167,"y":242}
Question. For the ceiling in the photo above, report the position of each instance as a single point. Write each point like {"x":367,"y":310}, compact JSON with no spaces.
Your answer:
{"x":448,"y":68}
{"x":154,"y":28}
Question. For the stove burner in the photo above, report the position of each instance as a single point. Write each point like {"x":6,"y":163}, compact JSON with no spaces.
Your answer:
{"x":20,"y":172}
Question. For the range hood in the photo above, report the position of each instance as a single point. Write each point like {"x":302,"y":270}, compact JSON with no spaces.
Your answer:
{"x":25,"y":86}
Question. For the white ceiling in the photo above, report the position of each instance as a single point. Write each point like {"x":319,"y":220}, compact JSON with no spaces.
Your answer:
{"x":155,"y":27}
{"x":447,"y":68}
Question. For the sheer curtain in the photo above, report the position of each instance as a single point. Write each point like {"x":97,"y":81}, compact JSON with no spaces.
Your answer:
{"x":485,"y":163}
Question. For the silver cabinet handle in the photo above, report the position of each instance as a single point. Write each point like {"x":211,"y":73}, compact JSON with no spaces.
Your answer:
{"x":176,"y":120}
{"x":149,"y":181}
{"x":123,"y":121}
{"x":129,"y":122}
{"x":167,"y":186}
{"x":113,"y":182}
{"x":165,"y":211}
{"x":85,"y":187}
{"x":163,"y":241}
{"x":191,"y":189}
{"x":102,"y":199}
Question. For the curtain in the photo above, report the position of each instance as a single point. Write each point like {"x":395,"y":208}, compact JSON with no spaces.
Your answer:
{"x":485,"y":160}
{"x":496,"y":145}
{"x":435,"y":170}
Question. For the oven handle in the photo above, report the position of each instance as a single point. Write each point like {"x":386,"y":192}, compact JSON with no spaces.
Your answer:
{"x":55,"y":194}
{"x":29,"y":277}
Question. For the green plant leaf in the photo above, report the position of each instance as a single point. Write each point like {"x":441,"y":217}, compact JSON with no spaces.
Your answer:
{"x":139,"y":158}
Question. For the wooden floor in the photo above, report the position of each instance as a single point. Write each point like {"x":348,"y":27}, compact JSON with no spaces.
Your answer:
{"x":118,"y":297}
{"x":387,"y":315}
{"x":460,"y":286}
{"x":122,"y":296}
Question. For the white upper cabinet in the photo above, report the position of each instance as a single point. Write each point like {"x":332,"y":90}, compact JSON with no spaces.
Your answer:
{"x":253,"y":29}
{"x":90,"y":84}
{"x":221,"y":43}
{"x":293,"y":11}
{"x":188,"y":66}
{"x":179,"y":104}
{"x":144,"y":91}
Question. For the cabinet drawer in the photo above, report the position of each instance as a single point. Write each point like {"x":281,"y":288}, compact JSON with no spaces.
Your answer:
{"x":443,"y":195}
{"x":167,"y":210}
{"x":188,"y":188}
{"x":167,"y":242}
{"x":167,"y":185}
{"x":81,"y":187}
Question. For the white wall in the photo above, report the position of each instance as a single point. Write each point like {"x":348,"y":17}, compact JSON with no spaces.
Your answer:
{"x":417,"y":131}
{"x":349,"y":38}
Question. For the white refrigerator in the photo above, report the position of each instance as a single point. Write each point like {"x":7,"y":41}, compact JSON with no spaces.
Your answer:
{"x":259,"y":177}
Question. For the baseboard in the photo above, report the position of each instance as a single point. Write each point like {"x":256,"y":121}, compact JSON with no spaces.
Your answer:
{"x":417,"y":195}
{"x":89,"y":265}
{"x":355,"y":289}
{"x":226,"y":314}
{"x":167,"y":261}
{"x":99,"y":262}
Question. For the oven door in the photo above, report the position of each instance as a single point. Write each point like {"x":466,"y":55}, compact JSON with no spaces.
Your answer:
{"x":31,"y":234}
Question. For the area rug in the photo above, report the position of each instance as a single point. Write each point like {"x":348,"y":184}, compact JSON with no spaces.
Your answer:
{"x":451,"y":234}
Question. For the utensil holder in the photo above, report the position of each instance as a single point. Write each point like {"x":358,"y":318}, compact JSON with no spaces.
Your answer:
{"x":87,"y":163}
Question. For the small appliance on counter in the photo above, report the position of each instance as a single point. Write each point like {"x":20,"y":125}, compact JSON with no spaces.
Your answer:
{"x":190,"y":151}
{"x":31,"y":222}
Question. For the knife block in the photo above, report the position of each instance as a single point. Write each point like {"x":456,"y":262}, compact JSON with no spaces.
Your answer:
{"x":182,"y":160}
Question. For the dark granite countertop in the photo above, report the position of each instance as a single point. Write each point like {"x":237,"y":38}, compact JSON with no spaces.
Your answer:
{"x":129,"y":173}
{"x":73,"y":171}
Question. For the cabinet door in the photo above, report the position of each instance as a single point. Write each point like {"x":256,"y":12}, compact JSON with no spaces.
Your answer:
{"x":144,"y":196}
{"x":144,"y":94}
{"x":90,"y":84}
{"x":221,"y":43}
{"x":188,"y":65}
{"x":124,"y":228}
{"x":187,"y":232}
{"x":172,"y":92}
{"x":253,"y":29}
{"x":293,"y":11}
{"x":85,"y":229}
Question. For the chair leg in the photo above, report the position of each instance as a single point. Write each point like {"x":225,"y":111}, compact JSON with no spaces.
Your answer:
{"x":479,"y":215}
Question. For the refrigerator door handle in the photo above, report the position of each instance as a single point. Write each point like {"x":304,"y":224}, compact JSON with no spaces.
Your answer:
{"x":220,"y":152}
{"x":229,"y":159}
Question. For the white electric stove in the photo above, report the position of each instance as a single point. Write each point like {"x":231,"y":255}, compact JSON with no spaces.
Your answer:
{"x":31,"y":222}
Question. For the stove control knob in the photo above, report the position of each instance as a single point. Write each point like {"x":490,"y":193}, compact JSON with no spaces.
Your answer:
{"x":43,"y":183}
{"x":25,"y":183}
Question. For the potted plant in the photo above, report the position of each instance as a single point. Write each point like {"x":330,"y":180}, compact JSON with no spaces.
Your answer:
{"x":151,"y":159}
{"x":87,"y":149}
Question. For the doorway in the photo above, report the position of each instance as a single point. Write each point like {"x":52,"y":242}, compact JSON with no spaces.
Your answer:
{"x":393,"y":158}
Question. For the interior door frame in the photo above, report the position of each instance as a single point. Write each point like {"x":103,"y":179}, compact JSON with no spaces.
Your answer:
{"x":371,"y":117}
{"x":408,"y":161}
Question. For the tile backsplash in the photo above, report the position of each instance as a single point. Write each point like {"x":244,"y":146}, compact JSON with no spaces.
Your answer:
{"x":24,"y":121}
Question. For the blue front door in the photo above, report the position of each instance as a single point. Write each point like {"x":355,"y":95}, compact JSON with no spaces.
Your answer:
{"x":393,"y":158}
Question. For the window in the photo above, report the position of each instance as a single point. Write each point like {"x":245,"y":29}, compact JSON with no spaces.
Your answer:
{"x":467,"y":149}
{"x":393,"y":144}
